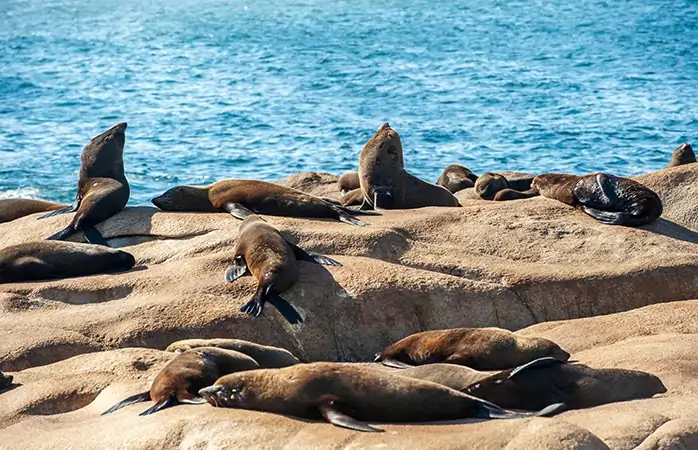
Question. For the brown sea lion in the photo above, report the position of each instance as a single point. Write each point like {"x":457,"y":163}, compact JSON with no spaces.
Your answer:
{"x":489,"y":183}
{"x":456,"y":178}
{"x":511,"y":194}
{"x":180,"y":380}
{"x":261,"y":250}
{"x":44,"y":260}
{"x":347,"y":396}
{"x":519,"y":181}
{"x":547,"y":380}
{"x":348,"y":181}
{"x":682,"y":155}
{"x":267,"y":357}
{"x":477,"y":348}
{"x":102,"y":187}
{"x":240,"y":197}
{"x":14,"y":208}
{"x":512,"y":185}
{"x":385,"y":182}
{"x":609,"y":199}
{"x":452,"y":375}
{"x":5,"y":381}
{"x":352,"y":198}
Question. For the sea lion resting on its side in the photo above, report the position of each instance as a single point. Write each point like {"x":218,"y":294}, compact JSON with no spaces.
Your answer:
{"x":505,"y":186}
{"x":266,"y":356}
{"x":14,"y":208}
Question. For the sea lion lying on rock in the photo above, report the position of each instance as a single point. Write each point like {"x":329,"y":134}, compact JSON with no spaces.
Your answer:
{"x":505,"y":186}
{"x":267,"y":357}
{"x":14,"y":208}
{"x":456,"y":178}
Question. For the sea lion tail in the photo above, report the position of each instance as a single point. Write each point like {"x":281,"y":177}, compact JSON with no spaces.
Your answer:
{"x":171,"y":401}
{"x":137,"y":398}
{"x":345,"y":217}
{"x":617,"y":217}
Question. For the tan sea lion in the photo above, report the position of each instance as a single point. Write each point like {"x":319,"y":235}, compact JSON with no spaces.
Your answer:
{"x":347,"y":396}
{"x":261,"y":250}
{"x":682,"y":155}
{"x":14,"y":208}
{"x":180,"y":380}
{"x":609,"y":199}
{"x":267,"y":357}
{"x":348,"y":181}
{"x":477,"y":348}
{"x":102,"y":187}
{"x":241,"y":197}
{"x":456,"y":178}
{"x":385,"y":182}
{"x":547,"y":380}
{"x":451,"y":375}
{"x":44,"y":260}
{"x":352,"y":198}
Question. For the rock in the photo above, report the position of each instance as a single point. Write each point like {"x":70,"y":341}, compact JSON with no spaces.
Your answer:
{"x":315,"y":183}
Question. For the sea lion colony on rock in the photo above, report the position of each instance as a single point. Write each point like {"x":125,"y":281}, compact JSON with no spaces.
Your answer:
{"x":241,"y":374}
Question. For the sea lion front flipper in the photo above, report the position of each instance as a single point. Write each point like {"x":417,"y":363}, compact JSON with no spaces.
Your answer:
{"x":193,"y":401}
{"x":171,"y":401}
{"x":487,"y":410}
{"x":302,"y":255}
{"x":63,"y":234}
{"x":395,"y":364}
{"x":540,"y":362}
{"x":93,"y":236}
{"x":137,"y":398}
{"x":256,"y":305}
{"x":237,"y":210}
{"x":610,"y":217}
{"x":339,"y":419}
{"x":236,"y":270}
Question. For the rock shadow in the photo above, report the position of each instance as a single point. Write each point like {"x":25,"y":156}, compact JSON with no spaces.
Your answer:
{"x":666,"y":227}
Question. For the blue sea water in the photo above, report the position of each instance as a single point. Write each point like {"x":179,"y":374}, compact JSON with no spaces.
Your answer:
{"x":215,"y":89}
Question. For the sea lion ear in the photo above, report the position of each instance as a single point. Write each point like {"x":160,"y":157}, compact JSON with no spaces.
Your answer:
{"x":337,"y":418}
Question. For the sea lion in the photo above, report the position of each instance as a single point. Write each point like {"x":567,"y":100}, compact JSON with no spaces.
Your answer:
{"x":477,"y":348}
{"x":387,"y":185}
{"x":180,"y":380}
{"x":102,"y":187}
{"x":514,"y":185}
{"x":267,"y":357}
{"x":352,"y":198}
{"x":5,"y":381}
{"x":262,"y":250}
{"x":682,"y":155}
{"x":511,"y":194}
{"x":44,"y":260}
{"x":609,"y":199}
{"x":456,"y":178}
{"x":14,"y":208}
{"x":242,"y":197}
{"x":452,"y":375}
{"x":348,"y":181}
{"x":346,"y":396}
{"x":547,"y":380}
{"x":489,"y":183}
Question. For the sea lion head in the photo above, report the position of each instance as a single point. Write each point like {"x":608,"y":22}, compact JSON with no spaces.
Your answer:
{"x":231,"y":391}
{"x":123,"y":260}
{"x":385,"y":146}
{"x":487,"y":185}
{"x":184,"y":198}
{"x":542,"y":348}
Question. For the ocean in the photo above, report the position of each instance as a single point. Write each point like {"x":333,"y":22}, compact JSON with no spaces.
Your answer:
{"x":216,"y":89}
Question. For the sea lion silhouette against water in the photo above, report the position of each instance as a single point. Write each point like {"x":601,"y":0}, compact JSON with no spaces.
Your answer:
{"x":682,"y":155}
{"x":609,"y":199}
{"x":456,"y":178}
{"x":267,"y":357}
{"x":347,"y":396}
{"x":14,"y":208}
{"x":261,"y":250}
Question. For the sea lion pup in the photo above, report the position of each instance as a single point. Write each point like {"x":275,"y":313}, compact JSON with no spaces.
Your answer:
{"x":387,"y":185}
{"x":682,"y":155}
{"x":241,"y":197}
{"x":262,"y":250}
{"x":5,"y":381}
{"x":511,"y":194}
{"x":547,"y":380}
{"x":180,"y":380}
{"x":451,"y":375}
{"x":348,"y":181}
{"x":477,"y":348}
{"x":346,"y":396}
{"x":352,"y":198}
{"x":609,"y":199}
{"x":456,"y":178}
{"x":14,"y":208}
{"x":267,"y":357}
{"x":45,"y":260}
{"x":102,"y":187}
{"x":513,"y":185}
{"x":489,"y":184}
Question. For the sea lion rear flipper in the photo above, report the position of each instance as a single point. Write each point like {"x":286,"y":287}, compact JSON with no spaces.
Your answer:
{"x":93,"y":236}
{"x":345,"y":217}
{"x":256,"y":305}
{"x":339,"y":419}
{"x":236,"y":270}
{"x":302,"y":255}
{"x":487,"y":410}
{"x":237,"y":210}
{"x":56,"y":212}
{"x":193,"y":401}
{"x":611,"y":218}
{"x":137,"y":398}
{"x":396,"y":364}
{"x":63,"y":234}
{"x":540,"y":362}
{"x":171,"y":401}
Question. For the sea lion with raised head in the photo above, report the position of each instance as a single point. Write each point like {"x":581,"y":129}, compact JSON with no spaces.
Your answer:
{"x":387,"y":185}
{"x":102,"y":187}
{"x":180,"y":380}
{"x":45,"y":260}
{"x":348,"y":181}
{"x":607,"y":198}
{"x":477,"y":348}
{"x":548,"y":380}
{"x":263,"y":252}
{"x":682,"y":155}
{"x":267,"y":357}
{"x":14,"y":208}
{"x":349,"y":396}
{"x":456,"y":178}
{"x":243,"y":197}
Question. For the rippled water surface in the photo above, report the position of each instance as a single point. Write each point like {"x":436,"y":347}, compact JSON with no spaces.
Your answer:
{"x":216,"y":89}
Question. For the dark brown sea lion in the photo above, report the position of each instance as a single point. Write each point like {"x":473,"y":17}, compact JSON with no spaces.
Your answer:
{"x":609,"y":199}
{"x":348,"y":181}
{"x":489,"y":183}
{"x":102,"y":187}
{"x":452,"y":375}
{"x":180,"y":380}
{"x":547,"y":380}
{"x":267,"y":357}
{"x":682,"y":155}
{"x":14,"y":208}
{"x":347,"y":396}
{"x":511,"y":194}
{"x":261,"y":250}
{"x":44,"y":260}
{"x":385,"y":182}
{"x":477,"y":348}
{"x":512,"y":185}
{"x":239,"y":197}
{"x":352,"y":198}
{"x":456,"y":178}
{"x":5,"y":381}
